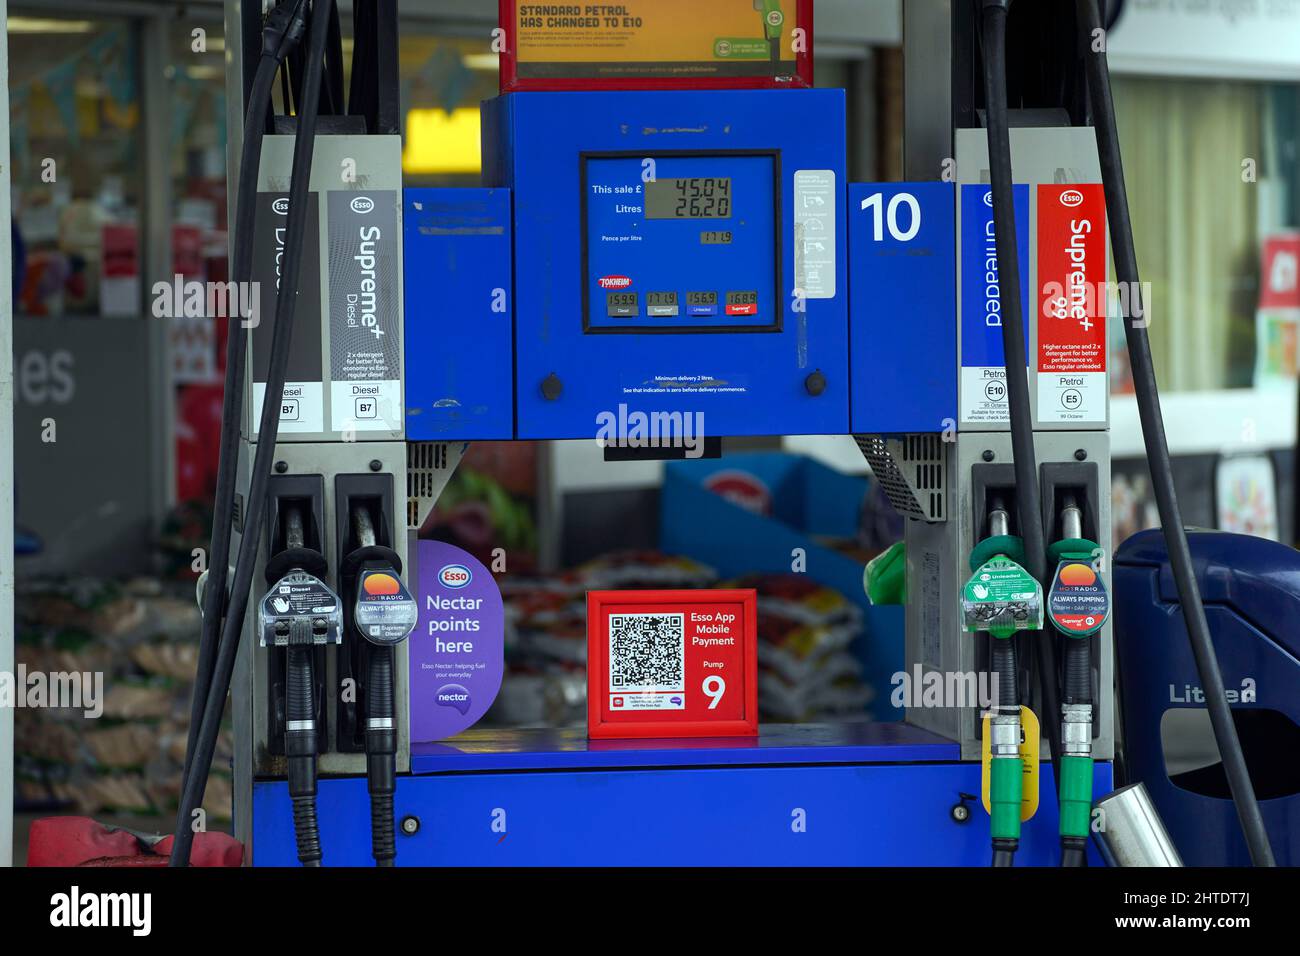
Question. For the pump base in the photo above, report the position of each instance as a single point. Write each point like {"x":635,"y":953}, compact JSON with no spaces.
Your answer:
{"x":798,"y":796}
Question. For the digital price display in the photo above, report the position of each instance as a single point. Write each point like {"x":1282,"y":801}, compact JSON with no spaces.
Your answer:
{"x":702,"y":303}
{"x":742,"y":303}
{"x":704,"y":197}
{"x":622,"y":305}
{"x":639,"y":235}
{"x":672,"y":663}
{"x":661,"y":304}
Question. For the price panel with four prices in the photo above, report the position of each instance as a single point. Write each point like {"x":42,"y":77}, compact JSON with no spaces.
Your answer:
{"x":672,"y":664}
{"x":676,"y":252}
{"x":694,"y":247}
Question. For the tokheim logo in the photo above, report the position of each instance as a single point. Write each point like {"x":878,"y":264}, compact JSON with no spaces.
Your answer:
{"x":455,"y":576}
{"x":362,"y":205}
{"x":615,"y":282}
{"x":1071,"y":198}
{"x":280,"y":206}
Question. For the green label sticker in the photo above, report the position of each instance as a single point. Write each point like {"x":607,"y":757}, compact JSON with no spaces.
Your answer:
{"x":740,"y":48}
{"x":1002,"y":597}
{"x":1078,"y":601}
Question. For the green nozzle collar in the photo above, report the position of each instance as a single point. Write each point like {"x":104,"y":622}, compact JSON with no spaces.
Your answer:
{"x":991,"y":547}
{"x":1076,"y":549}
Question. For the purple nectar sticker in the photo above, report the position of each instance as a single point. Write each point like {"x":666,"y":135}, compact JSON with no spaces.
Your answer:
{"x":457,"y":651}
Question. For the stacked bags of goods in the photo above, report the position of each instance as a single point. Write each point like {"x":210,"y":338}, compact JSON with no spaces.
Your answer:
{"x":129,"y":651}
{"x":806,"y":669}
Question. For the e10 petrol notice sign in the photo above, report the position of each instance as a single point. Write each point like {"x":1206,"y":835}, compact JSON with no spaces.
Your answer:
{"x":672,"y":664}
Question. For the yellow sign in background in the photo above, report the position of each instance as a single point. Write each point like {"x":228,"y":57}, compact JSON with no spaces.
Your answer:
{"x":652,"y":31}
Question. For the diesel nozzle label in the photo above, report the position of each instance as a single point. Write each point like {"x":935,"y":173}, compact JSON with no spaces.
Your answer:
{"x":365,"y":318}
{"x":302,"y":405}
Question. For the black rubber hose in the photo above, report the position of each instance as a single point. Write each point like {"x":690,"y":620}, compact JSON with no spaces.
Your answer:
{"x":333,"y":80}
{"x":214,"y":597}
{"x":1157,"y":447}
{"x":1013,"y":345}
{"x":285,"y":305}
{"x":381,"y":754}
{"x":1078,"y":670}
{"x":1004,"y":666}
{"x":1078,"y":690}
{"x":1004,"y":855}
{"x":300,"y":750}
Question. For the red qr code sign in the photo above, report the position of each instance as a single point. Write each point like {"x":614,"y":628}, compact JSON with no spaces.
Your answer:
{"x":672,"y":664}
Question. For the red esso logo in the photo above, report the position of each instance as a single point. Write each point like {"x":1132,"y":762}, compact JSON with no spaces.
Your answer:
{"x":615,"y":282}
{"x":741,"y":489}
{"x":1071,"y":198}
{"x":454,"y":576}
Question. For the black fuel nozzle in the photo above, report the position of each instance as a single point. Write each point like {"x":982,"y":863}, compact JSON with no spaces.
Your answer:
{"x":299,"y":613}
{"x":384,"y":613}
{"x":284,"y":29}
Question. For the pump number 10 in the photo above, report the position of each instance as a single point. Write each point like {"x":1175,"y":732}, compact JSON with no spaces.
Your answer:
{"x":889,"y":216}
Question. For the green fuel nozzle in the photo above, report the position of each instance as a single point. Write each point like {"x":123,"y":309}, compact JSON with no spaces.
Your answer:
{"x":1078,"y":606}
{"x":1000,"y":599}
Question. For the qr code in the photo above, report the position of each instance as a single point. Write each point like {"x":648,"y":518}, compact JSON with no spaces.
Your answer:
{"x":647,"y":652}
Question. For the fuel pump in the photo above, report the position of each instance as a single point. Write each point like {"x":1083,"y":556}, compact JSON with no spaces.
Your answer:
{"x":1013,"y":344}
{"x":383,"y":612}
{"x":1078,"y":607}
{"x":1001,"y":600}
{"x":213,"y":683}
{"x":297,"y":615}
{"x":1091,"y":24}
{"x":1089,"y":18}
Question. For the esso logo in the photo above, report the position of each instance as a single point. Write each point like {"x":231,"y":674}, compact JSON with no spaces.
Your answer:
{"x":615,"y":282}
{"x":280,"y":207}
{"x":455,"y":576}
{"x":775,"y":18}
{"x":1071,"y":198}
{"x":362,"y":205}
{"x":988,"y":199}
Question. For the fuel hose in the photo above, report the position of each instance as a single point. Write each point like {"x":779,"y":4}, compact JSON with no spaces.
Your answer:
{"x":284,"y":28}
{"x":1153,"y":435}
{"x":1013,"y":343}
{"x":199,"y":758}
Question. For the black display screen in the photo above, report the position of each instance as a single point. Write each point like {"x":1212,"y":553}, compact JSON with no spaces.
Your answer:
{"x":704,"y":197}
